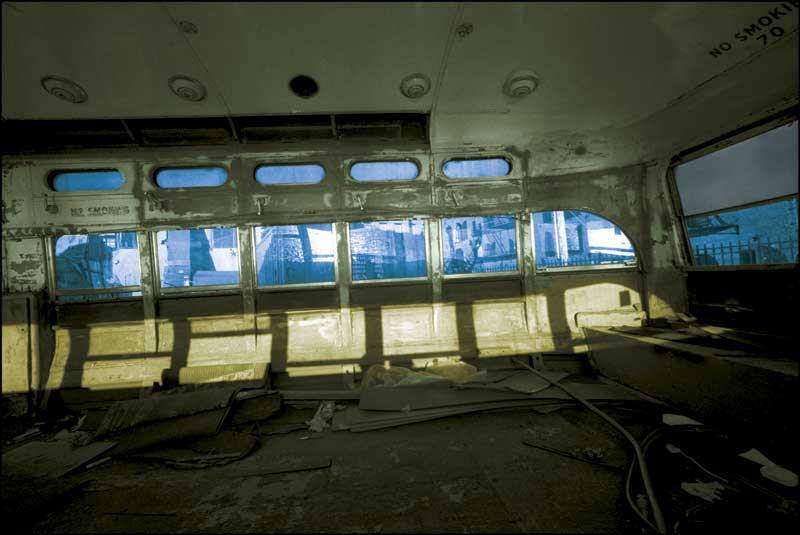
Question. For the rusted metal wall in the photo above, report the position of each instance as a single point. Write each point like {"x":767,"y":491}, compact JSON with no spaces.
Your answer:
{"x":351,"y":323}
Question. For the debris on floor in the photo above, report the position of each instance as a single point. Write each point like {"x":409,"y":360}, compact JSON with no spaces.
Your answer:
{"x":708,"y":491}
{"x":50,"y":459}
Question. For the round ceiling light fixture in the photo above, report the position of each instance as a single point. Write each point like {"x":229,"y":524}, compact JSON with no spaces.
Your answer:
{"x":303,"y":86}
{"x":415,"y":85}
{"x":521,"y":83}
{"x":187,"y":27}
{"x":187,"y":88}
{"x":64,"y":89}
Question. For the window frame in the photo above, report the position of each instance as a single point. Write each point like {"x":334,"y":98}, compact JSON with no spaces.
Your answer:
{"x":52,"y":277}
{"x":415,"y":161}
{"x":301,"y":285}
{"x":628,"y":265}
{"x":507,"y":176}
{"x":417,"y":280}
{"x":158,"y":168}
{"x":160,"y":291}
{"x":50,"y":176}
{"x":259,"y":165}
{"x":519,"y":272}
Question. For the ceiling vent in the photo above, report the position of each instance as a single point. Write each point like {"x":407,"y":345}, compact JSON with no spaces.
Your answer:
{"x":187,"y":88}
{"x":415,"y":85}
{"x":64,"y":89}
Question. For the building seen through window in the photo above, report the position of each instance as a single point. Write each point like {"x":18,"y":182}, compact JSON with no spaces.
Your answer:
{"x":295,"y":254}
{"x":565,"y":238}
{"x":388,"y":250}
{"x":479,"y":244}
{"x":200,"y":257}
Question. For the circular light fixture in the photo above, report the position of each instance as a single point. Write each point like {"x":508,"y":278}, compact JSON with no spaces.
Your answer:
{"x":303,"y":86}
{"x":415,"y":85}
{"x":187,"y":27}
{"x":521,"y":83}
{"x":64,"y":89}
{"x":187,"y":88}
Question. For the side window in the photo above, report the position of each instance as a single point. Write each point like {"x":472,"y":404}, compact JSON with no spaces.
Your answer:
{"x":384,"y":171}
{"x":295,"y":254}
{"x":740,"y":203}
{"x":193,"y":177}
{"x":200,"y":257}
{"x":479,"y":244}
{"x":271,"y":175}
{"x":565,"y":238}
{"x":97,"y":262}
{"x":476,"y":168}
{"x":388,"y":250}
{"x":106,"y":179}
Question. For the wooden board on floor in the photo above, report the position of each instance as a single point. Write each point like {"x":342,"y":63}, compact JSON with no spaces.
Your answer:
{"x":50,"y":459}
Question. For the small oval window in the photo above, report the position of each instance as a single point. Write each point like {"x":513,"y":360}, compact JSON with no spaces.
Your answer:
{"x":105,"y":179}
{"x":380,"y":171}
{"x":194,"y":177}
{"x":476,"y":168}
{"x":289,"y":174}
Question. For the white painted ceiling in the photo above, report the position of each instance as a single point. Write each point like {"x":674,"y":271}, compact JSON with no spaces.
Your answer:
{"x":626,"y":81}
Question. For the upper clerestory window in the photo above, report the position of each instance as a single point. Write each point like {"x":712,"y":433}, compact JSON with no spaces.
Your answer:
{"x":384,"y":171}
{"x":476,"y":168}
{"x":272,"y":174}
{"x":191,"y":177}
{"x":98,"y":180}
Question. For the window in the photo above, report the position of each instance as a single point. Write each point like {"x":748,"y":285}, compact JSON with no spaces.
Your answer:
{"x":201,"y":257}
{"x":382,"y":171}
{"x":479,"y":244}
{"x":388,"y":250}
{"x":566,"y":238}
{"x":95,"y":262}
{"x":295,"y":254}
{"x":195,"y":177}
{"x":86,"y":180}
{"x":475,"y":168}
{"x":740,"y":203}
{"x":289,"y":174}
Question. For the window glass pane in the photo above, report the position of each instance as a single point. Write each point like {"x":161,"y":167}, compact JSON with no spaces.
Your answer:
{"x":295,"y":254}
{"x":289,"y":174}
{"x":86,"y":180}
{"x":572,"y":238}
{"x":377,"y":171}
{"x":764,"y":234}
{"x":760,"y":168}
{"x":476,"y":168}
{"x":201,"y":257}
{"x":89,"y":297}
{"x":388,"y":250}
{"x":198,"y":177}
{"x":479,"y":244}
{"x":87,"y":261}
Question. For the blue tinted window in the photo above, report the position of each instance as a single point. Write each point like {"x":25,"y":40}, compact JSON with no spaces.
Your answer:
{"x":571,"y":238}
{"x":479,"y":244}
{"x":290,"y":174}
{"x":86,"y":180}
{"x":295,"y":254}
{"x":90,"y":297}
{"x":379,"y":171}
{"x":764,"y":234}
{"x":197,"y":177}
{"x":388,"y":250}
{"x":201,"y":257}
{"x":476,"y":168}
{"x":94,"y":261}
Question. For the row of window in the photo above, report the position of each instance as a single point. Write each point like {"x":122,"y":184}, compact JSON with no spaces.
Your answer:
{"x":274,"y":174}
{"x":306,"y":254}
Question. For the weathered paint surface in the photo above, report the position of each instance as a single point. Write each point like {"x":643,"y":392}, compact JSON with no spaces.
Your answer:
{"x":16,"y":346}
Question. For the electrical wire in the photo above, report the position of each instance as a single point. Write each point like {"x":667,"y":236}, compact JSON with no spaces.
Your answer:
{"x":661,"y":526}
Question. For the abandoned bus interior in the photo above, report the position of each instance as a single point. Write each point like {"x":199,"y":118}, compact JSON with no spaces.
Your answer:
{"x":400,"y":267}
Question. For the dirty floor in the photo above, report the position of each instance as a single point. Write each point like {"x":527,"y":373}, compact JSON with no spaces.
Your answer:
{"x":468,"y":473}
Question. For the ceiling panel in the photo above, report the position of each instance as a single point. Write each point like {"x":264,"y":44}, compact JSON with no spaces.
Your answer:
{"x":357,"y":52}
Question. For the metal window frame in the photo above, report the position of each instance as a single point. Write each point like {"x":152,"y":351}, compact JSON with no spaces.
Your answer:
{"x":416,"y":162}
{"x":50,"y":267}
{"x":158,"y":168}
{"x":627,"y":265}
{"x":289,"y":184}
{"x":519,"y":272}
{"x":425,"y":233}
{"x":503,"y":157}
{"x":301,"y":285}
{"x":50,"y":175}
{"x":194,"y":290}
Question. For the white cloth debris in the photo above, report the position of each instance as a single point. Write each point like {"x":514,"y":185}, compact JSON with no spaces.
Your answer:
{"x":322,"y":418}
{"x":706,"y":491}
